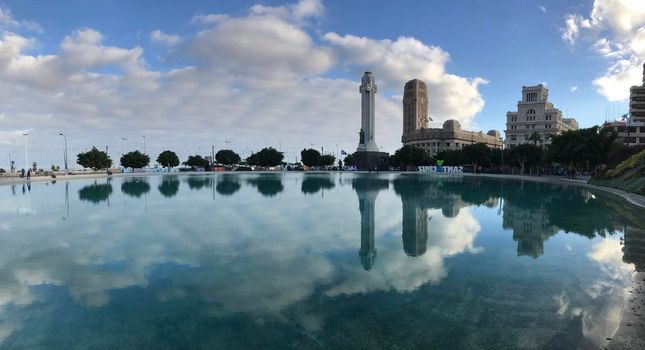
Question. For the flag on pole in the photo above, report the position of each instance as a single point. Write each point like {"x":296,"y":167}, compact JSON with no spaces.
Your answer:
{"x":342,"y":152}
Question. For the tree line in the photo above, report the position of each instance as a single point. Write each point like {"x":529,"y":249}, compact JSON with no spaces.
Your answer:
{"x":576,"y":150}
{"x":96,"y":159}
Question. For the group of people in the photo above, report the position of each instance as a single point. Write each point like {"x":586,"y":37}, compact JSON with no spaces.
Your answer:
{"x":22,"y":173}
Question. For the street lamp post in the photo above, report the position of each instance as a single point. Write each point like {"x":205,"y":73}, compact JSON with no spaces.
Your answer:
{"x":26,"y":134}
{"x":501,"y":144}
{"x":124,"y":143}
{"x":144,"y":144}
{"x":65,"y":158}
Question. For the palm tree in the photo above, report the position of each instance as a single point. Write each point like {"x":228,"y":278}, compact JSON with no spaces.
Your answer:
{"x":535,"y":137}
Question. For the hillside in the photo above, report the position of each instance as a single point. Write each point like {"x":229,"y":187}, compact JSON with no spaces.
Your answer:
{"x":628,"y":175}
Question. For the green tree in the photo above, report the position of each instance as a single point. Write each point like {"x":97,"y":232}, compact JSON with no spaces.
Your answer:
{"x":526,"y":155}
{"x":135,"y":159}
{"x":477,"y":154}
{"x":583,"y":148}
{"x":535,"y":137}
{"x":326,"y":160}
{"x":2,"y":171}
{"x":94,"y":159}
{"x":227,"y":157}
{"x":349,"y":160}
{"x":409,"y":156}
{"x":168,"y":159}
{"x":253,"y":159}
{"x":451,"y":157}
{"x":269,"y":157}
{"x":196,"y":161}
{"x":310,"y":157}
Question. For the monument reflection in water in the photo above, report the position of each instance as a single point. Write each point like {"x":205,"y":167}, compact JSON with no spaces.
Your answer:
{"x":313,"y":260}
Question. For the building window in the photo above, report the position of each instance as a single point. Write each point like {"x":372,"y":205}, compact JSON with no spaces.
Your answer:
{"x":447,"y":144}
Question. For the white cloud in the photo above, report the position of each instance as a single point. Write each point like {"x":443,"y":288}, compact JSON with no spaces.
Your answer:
{"x":257,"y":78}
{"x":298,"y":12}
{"x":208,"y":19}
{"x":159,"y":37}
{"x":621,"y":25}
{"x":396,"y":61}
{"x":573,"y":25}
{"x":615,"y":83}
{"x":573,"y":88}
{"x":264,"y":46}
{"x":542,"y":8}
{"x":7,"y":21}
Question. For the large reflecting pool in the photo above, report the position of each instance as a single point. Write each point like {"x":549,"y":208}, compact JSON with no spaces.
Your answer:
{"x":332,"y":261}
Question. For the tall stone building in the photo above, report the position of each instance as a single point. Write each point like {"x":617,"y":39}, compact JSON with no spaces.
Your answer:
{"x":415,"y":106}
{"x":434,"y":140}
{"x":535,"y":114}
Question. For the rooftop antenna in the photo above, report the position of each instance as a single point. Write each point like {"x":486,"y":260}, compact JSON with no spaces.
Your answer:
{"x":605,"y":114}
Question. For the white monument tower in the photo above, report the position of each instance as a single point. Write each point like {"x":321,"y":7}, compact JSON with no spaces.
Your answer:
{"x":368,"y":89}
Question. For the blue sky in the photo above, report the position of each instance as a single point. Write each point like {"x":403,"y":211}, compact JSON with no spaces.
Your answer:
{"x":192,"y":74}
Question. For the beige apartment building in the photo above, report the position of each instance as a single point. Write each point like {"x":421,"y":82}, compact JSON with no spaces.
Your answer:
{"x":535,"y":114}
{"x":434,"y":140}
{"x":635,"y":134}
{"x":631,"y":130}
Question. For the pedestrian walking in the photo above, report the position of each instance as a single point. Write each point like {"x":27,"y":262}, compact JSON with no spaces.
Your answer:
{"x":29,"y":174}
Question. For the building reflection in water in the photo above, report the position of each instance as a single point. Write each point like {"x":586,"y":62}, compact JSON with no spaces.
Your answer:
{"x":414,"y":228}
{"x":634,"y":247}
{"x":367,"y":188}
{"x":530,"y":227}
{"x":418,"y":195}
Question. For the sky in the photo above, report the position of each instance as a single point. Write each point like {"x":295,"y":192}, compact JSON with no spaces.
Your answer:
{"x":192,"y":75}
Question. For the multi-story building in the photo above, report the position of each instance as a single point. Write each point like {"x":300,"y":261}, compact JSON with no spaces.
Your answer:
{"x":449,"y":137}
{"x":629,"y":133}
{"x":415,"y":106}
{"x":433,"y":140}
{"x":635,"y":132}
{"x":535,"y":114}
{"x":631,"y":129}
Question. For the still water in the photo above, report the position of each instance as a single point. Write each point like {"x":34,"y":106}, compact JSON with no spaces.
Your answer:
{"x":322,"y":261}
